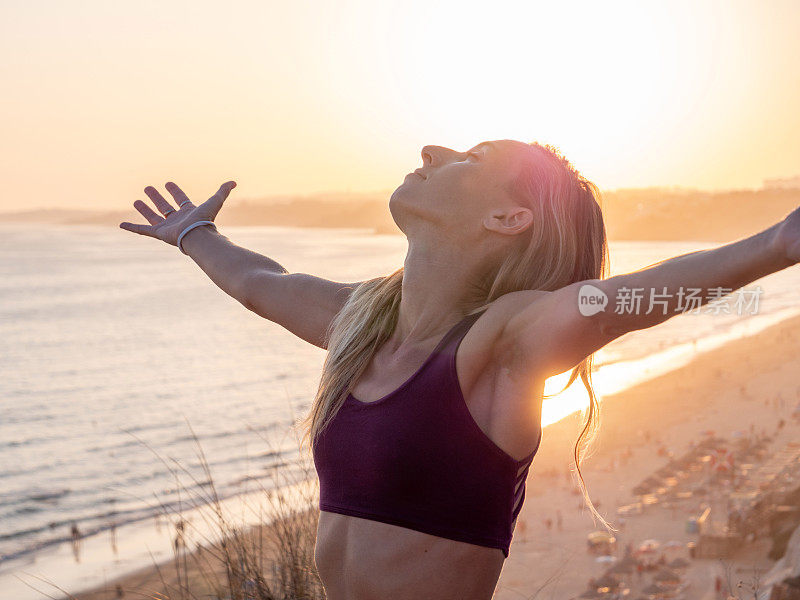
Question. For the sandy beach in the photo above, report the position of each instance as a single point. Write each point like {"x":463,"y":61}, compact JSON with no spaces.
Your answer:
{"x":724,"y":390}
{"x":727,"y":389}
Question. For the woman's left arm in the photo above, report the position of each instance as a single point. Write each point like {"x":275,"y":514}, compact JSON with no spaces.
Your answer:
{"x":557,"y":330}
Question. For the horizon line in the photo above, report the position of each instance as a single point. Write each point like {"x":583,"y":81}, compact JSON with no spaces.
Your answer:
{"x":315,"y":195}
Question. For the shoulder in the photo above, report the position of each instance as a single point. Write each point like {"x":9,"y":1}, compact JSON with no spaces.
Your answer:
{"x":520,"y":324}
{"x":548,"y":332}
{"x":502,"y":312}
{"x":512,"y":302}
{"x":488,"y":339}
{"x":499,"y":313}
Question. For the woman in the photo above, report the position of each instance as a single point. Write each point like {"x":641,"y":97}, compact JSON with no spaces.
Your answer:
{"x":427,"y":416}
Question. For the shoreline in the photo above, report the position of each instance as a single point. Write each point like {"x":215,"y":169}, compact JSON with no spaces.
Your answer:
{"x":703,"y":384}
{"x":726,"y":389}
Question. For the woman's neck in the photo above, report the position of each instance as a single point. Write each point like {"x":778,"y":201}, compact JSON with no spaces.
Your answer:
{"x":438,"y":289}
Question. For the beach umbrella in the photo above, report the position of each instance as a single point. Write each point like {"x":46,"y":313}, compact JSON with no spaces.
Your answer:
{"x":649,"y":499}
{"x":606,"y":559}
{"x":649,"y":545}
{"x":600,"y":536}
{"x":722,"y":460}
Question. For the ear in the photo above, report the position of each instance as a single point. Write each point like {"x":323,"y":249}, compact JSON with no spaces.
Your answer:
{"x":509,"y":221}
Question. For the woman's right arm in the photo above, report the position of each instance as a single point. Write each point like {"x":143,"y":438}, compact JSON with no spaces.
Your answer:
{"x":301,"y":303}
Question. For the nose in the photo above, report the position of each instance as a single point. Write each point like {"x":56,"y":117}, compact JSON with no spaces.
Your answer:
{"x":428,"y":154}
{"x":434,"y":155}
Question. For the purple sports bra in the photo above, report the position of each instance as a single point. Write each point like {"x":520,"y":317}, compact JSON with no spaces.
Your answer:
{"x":416,"y":458}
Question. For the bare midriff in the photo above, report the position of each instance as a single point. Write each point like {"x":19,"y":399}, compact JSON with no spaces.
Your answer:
{"x":361,"y":559}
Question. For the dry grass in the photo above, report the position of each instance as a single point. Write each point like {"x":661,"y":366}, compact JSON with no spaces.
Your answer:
{"x":220,"y":556}
{"x":270,"y":561}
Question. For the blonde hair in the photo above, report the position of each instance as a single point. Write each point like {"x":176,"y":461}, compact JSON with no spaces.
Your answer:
{"x":565,"y":243}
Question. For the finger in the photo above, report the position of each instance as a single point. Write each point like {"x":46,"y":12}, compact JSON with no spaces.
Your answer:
{"x":222,"y":194}
{"x":137,"y":228}
{"x":177,"y":193}
{"x":162,"y":205}
{"x":148,"y":213}
{"x":224,"y":190}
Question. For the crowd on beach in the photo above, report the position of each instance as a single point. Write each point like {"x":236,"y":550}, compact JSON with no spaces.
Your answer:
{"x":723,"y":492}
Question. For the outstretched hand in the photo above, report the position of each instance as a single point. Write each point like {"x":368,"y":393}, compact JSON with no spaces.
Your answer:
{"x":168,"y":225}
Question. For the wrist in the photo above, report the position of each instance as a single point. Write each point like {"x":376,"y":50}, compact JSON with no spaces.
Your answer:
{"x":195,"y":236}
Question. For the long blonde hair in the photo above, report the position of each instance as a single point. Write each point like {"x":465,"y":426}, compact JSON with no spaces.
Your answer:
{"x":565,"y":243}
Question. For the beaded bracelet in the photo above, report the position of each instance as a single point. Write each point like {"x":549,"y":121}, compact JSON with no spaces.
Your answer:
{"x":190,"y":227}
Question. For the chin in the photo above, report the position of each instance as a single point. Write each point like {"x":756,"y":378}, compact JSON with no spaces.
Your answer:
{"x":404,"y":205}
{"x":396,"y":202}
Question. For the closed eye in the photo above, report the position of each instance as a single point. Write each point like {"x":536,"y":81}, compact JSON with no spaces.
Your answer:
{"x":475,"y":154}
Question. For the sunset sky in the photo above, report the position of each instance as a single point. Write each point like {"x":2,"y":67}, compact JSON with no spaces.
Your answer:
{"x":100,"y":99}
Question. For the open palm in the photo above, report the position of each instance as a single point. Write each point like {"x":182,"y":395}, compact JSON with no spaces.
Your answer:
{"x":168,"y":225}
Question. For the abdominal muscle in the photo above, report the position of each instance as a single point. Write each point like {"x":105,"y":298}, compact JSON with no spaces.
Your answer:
{"x":360,"y":559}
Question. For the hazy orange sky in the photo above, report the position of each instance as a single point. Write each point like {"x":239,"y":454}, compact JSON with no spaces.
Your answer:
{"x":100,"y":99}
